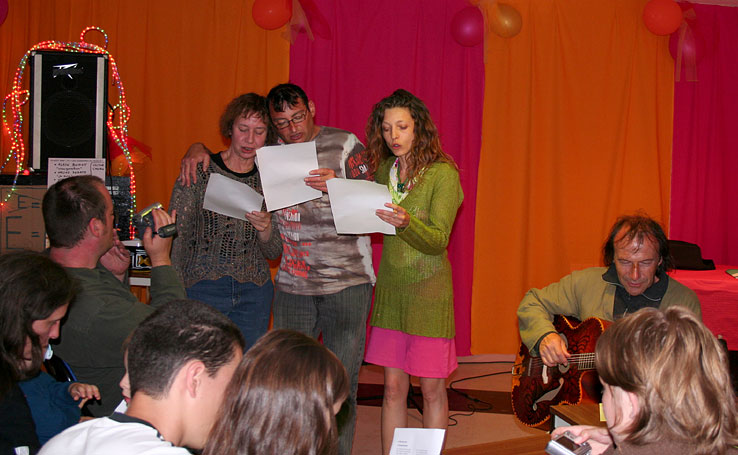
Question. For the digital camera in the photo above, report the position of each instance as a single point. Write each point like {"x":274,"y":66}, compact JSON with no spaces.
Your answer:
{"x":145,"y":218}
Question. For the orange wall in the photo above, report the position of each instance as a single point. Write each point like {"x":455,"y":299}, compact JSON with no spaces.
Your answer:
{"x":577,"y":130}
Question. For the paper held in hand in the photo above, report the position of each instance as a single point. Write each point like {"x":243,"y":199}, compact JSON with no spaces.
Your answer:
{"x":283,"y":169}
{"x":354,"y":204}
{"x":230,"y":198}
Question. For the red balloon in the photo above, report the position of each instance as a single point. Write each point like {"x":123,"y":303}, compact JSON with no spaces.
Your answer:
{"x":467,"y":26}
{"x":271,"y":14}
{"x":662,"y":17}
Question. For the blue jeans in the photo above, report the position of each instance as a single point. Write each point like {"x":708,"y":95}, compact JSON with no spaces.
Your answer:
{"x":246,"y":304}
{"x":341,"y":318}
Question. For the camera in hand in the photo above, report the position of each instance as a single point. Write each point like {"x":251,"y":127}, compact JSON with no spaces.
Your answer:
{"x":145,"y":218}
{"x":564,"y":444}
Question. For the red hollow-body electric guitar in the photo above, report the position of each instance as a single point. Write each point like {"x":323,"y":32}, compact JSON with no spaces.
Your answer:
{"x":536,"y":387}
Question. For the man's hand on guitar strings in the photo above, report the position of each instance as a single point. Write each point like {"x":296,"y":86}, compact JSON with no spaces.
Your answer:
{"x":553,"y":350}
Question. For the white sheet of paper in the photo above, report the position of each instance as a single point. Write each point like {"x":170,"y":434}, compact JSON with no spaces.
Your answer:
{"x":417,"y":441}
{"x":61,"y":168}
{"x":354,"y":204}
{"x":283,"y":169}
{"x":230,"y":198}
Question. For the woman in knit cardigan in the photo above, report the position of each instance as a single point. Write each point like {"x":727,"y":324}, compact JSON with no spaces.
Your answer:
{"x":222,"y":260}
{"x":413,"y":317}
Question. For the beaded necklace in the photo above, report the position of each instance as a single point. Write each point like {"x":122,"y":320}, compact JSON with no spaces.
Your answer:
{"x":398,"y":189}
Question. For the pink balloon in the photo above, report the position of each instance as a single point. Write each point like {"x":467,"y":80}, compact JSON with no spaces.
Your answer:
{"x":467,"y":26}
{"x":690,"y":48}
{"x":697,"y":43}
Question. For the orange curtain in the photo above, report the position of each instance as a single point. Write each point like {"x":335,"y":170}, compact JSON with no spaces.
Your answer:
{"x":180,"y":62}
{"x":577,"y":130}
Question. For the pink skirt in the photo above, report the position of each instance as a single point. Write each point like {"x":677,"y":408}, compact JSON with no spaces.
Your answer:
{"x":420,"y":356}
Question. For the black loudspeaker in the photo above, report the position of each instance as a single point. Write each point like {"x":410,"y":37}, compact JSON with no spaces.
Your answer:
{"x":68,"y":106}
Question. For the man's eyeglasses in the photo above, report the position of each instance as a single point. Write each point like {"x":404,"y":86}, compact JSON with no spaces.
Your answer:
{"x":284,"y":123}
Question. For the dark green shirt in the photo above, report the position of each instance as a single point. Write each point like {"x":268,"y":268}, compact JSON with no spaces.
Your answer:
{"x":100,"y":319}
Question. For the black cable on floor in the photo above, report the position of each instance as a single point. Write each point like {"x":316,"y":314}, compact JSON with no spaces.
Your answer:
{"x":472,"y":407}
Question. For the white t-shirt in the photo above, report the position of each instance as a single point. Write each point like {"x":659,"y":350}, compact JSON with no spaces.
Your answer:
{"x":118,"y":434}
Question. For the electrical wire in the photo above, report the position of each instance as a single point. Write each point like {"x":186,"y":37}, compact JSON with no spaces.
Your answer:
{"x":472,"y":407}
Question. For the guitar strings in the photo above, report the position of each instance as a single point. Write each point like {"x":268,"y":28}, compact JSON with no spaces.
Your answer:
{"x":575,"y":358}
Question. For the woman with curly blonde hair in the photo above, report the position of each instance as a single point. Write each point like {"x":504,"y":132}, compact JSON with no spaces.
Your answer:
{"x":413,"y":317}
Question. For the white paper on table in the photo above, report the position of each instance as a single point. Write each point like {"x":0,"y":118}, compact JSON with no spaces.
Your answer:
{"x":61,"y":168}
{"x":354,"y":204}
{"x":230,"y":198}
{"x":283,"y":169}
{"x":417,"y":441}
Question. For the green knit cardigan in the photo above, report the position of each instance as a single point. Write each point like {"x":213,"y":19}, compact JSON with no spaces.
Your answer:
{"x":414,"y":291}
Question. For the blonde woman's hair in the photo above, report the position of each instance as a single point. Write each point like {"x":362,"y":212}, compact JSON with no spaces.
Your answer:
{"x":678,"y":371}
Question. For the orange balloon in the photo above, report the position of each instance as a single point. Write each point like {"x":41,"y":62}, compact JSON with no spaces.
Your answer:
{"x":662,"y":17}
{"x":271,"y":14}
{"x":505,"y":20}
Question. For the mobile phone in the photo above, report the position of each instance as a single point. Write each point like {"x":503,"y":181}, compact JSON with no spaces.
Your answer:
{"x":564,"y":444}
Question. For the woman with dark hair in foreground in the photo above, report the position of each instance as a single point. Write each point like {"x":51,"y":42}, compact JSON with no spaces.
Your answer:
{"x":35,"y":293}
{"x":282,"y":400}
{"x":666,"y":386}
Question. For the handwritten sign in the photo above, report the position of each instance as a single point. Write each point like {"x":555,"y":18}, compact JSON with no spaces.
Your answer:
{"x":61,"y":168}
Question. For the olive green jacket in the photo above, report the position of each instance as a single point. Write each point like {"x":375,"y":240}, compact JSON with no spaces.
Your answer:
{"x":583,"y":294}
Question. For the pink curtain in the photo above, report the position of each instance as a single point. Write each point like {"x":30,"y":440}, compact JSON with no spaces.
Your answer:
{"x":705,"y":154}
{"x":364,"y":50}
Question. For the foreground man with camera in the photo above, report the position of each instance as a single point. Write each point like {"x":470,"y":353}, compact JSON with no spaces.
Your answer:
{"x":78,"y":215}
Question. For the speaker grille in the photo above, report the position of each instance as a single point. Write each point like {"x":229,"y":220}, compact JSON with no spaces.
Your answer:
{"x":68,"y":118}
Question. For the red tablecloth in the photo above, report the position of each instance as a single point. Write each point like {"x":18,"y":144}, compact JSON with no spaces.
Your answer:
{"x":718,"y":294}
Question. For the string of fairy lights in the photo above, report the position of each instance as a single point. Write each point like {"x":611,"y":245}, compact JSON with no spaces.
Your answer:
{"x":117,"y":120}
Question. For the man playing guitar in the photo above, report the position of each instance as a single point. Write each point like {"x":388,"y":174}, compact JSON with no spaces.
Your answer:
{"x":636,"y":256}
